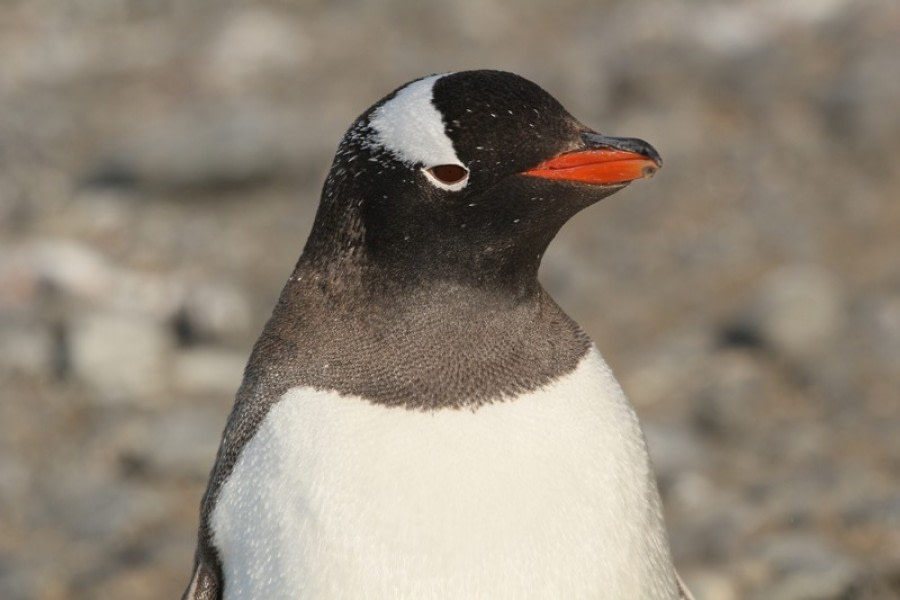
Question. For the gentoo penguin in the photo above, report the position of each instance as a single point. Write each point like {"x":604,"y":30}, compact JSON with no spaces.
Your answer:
{"x":419,"y":419}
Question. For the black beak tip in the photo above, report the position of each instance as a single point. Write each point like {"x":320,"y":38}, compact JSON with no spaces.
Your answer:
{"x":638,"y":146}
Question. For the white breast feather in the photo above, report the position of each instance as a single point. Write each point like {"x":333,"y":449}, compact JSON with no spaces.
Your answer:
{"x":546,"y":496}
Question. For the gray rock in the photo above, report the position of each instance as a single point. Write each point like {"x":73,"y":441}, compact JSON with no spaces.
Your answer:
{"x":208,"y":371}
{"x":674,"y":449}
{"x":734,"y":383}
{"x":88,"y":499}
{"x":806,"y":567}
{"x":707,"y":584}
{"x":123,"y":357}
{"x":253,"y":46}
{"x":800,"y":310}
{"x":203,"y":146}
{"x":182,"y":441}
{"x":70,"y":267}
{"x":15,"y":483}
{"x":670,"y":371}
{"x":213,"y":311}
{"x":152,"y":295}
{"x":28,"y":350}
{"x":882,"y":316}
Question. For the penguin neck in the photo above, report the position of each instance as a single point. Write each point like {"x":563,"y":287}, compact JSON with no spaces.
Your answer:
{"x":426,"y":345}
{"x":397,"y":333}
{"x":349,"y":252}
{"x":352,"y":278}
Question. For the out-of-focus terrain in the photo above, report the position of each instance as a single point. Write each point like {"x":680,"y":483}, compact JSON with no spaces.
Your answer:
{"x":160,"y":164}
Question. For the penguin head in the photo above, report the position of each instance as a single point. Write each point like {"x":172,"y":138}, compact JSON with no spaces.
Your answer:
{"x":467,"y":175}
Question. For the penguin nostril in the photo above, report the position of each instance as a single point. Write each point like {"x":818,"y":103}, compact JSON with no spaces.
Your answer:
{"x":448,"y":174}
{"x":650,"y":170}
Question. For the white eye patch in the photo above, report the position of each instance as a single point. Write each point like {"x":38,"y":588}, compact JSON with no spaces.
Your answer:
{"x":411,"y":128}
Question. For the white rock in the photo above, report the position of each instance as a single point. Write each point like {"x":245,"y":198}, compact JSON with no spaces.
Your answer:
{"x":710,"y":585}
{"x":69,"y":266}
{"x":675,"y":450}
{"x":253,"y":45}
{"x":807,"y":566}
{"x":79,"y":272}
{"x":208,"y":371}
{"x":198,"y":146}
{"x":122,"y":356}
{"x":800,"y":310}
{"x":26,"y":349}
{"x":183,"y":441}
{"x":215,"y":311}
{"x":154,"y":295}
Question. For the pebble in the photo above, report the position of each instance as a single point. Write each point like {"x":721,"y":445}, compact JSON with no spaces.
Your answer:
{"x":806,"y":566}
{"x":202,"y":146}
{"x":213,"y":312}
{"x":733,"y":384}
{"x":706,"y":584}
{"x":182,"y":441}
{"x":799,"y":310}
{"x":67,"y":266}
{"x":253,"y":46}
{"x":26,"y":349}
{"x":668,"y":372}
{"x":123,"y":357}
{"x":208,"y":371}
{"x":91,"y":501}
{"x":882,"y":316}
{"x":674,"y":449}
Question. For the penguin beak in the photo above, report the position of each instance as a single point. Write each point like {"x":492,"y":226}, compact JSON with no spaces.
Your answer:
{"x":604,"y":160}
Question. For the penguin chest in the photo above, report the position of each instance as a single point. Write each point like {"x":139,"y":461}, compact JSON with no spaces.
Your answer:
{"x":546,"y":495}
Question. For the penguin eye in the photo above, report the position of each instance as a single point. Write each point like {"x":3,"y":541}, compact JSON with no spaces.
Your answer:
{"x":449,"y":175}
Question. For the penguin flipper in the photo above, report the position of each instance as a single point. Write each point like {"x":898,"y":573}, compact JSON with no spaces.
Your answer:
{"x":204,"y":585}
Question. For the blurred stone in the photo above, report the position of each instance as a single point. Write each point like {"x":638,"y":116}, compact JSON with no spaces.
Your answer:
{"x":23,"y":579}
{"x":854,"y":107}
{"x":734,"y":383}
{"x":881,"y":511}
{"x":253,"y":46}
{"x":208,"y":371}
{"x":15,"y":483}
{"x":203,"y":146}
{"x":735,"y":28}
{"x":67,"y":266}
{"x":690,"y":490}
{"x":804,"y":566}
{"x":213,"y":312}
{"x":706,"y":584}
{"x":155,"y":296}
{"x":669,"y":370}
{"x":673,"y":449}
{"x":92,"y":506}
{"x":800,"y":310}
{"x":182,"y":441}
{"x":63,"y":270}
{"x":882,"y":314}
{"x":122,"y":356}
{"x":26,"y":349}
{"x":103,"y":214}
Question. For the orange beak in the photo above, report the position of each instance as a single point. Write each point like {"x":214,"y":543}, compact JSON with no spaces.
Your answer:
{"x":606,"y":160}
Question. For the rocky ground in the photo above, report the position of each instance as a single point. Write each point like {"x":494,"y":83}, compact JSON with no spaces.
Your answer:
{"x":159,"y":168}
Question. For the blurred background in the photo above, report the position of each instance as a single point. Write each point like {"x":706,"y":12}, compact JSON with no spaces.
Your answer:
{"x":161,"y":161}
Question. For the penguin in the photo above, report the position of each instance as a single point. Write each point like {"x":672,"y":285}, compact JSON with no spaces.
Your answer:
{"x":419,"y":419}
